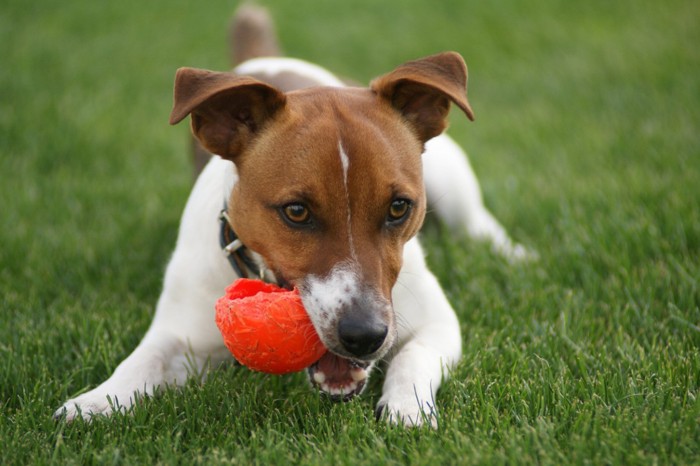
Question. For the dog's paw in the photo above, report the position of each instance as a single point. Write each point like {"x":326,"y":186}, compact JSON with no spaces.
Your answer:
{"x":407,"y":411}
{"x":91,"y":404}
{"x":515,"y":252}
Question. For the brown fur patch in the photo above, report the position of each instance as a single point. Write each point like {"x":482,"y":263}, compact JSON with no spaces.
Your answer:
{"x":287,"y":149}
{"x":297,"y":160}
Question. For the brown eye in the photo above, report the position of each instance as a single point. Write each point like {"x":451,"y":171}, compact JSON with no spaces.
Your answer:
{"x":296,"y":213}
{"x":398,"y":211}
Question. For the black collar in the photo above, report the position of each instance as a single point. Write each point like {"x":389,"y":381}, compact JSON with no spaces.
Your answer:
{"x":236,"y":252}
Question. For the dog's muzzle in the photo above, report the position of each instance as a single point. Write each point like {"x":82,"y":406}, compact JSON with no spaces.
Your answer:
{"x":361,"y":335}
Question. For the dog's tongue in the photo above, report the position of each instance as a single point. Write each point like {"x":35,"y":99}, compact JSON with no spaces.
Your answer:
{"x":337,"y":376}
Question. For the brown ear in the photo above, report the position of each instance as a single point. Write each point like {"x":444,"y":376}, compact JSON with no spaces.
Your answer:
{"x":422,"y":90}
{"x":227,"y":110}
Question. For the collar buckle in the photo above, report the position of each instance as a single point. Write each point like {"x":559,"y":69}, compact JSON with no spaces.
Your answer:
{"x":235,"y":250}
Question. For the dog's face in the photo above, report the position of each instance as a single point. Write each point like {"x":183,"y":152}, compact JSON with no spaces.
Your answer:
{"x":330,"y":189}
{"x":328,"y":194}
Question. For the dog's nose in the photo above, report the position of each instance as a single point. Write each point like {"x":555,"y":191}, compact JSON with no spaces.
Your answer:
{"x":361,"y":336}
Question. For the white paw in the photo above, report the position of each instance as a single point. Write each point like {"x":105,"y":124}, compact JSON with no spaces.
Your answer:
{"x":93,"y":403}
{"x":515,"y":252}
{"x":407,"y":411}
{"x":484,"y":226}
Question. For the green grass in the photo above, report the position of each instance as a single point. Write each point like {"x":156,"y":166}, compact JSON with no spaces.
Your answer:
{"x":587,"y":144}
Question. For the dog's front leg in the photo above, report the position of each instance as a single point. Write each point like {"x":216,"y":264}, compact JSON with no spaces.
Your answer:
{"x":182,"y":341}
{"x":157,"y":361}
{"x":430,"y":344}
{"x":414,"y":376}
{"x":183,"y":338}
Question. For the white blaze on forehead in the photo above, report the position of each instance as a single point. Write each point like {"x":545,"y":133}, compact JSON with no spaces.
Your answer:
{"x":345,"y":163}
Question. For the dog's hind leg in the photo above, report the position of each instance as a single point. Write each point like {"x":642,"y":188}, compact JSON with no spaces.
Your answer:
{"x":455,"y":196}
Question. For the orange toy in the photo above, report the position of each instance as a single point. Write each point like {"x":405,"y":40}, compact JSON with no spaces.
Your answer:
{"x":266,"y":327}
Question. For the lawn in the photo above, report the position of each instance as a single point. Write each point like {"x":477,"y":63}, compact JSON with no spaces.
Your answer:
{"x":587,"y":145}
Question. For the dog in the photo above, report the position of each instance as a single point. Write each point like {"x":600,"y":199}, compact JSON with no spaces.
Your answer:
{"x":321,"y":187}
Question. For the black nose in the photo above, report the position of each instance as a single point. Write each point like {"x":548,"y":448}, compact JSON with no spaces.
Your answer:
{"x":361,"y":336}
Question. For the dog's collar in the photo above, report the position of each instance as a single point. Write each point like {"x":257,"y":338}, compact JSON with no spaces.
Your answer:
{"x":236,"y":252}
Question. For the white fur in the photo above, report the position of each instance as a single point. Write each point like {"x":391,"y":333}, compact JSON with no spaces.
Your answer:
{"x":183,"y":337}
{"x":345,"y":163}
{"x":455,"y":195}
{"x":325,"y":294}
{"x":273,"y":66}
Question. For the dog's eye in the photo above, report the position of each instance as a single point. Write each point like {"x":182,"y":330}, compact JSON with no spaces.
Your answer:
{"x":398,"y":211}
{"x":297,"y":214}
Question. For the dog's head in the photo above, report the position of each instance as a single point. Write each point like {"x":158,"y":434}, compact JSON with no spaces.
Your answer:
{"x":330,"y":187}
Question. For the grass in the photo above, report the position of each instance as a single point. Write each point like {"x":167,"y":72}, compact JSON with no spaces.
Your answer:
{"x":588,"y":150}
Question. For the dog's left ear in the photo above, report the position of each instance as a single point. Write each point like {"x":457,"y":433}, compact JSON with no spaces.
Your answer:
{"x":422,"y":90}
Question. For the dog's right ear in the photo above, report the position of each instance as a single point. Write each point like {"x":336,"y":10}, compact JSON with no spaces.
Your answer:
{"x":227,"y":110}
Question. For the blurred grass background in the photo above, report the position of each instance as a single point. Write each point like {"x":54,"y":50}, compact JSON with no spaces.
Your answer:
{"x":587,"y":145}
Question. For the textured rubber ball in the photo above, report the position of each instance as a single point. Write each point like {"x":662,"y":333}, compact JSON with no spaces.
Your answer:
{"x":266,"y":327}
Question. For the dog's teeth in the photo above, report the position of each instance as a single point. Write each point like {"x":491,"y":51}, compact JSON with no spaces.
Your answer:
{"x":319,"y":377}
{"x":358,"y":374}
{"x":339,"y":391}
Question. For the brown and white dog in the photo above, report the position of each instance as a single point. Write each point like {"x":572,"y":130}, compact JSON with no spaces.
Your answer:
{"x":325,"y":185}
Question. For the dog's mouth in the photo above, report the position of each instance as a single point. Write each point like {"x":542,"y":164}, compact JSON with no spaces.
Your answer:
{"x":338,"y":377}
